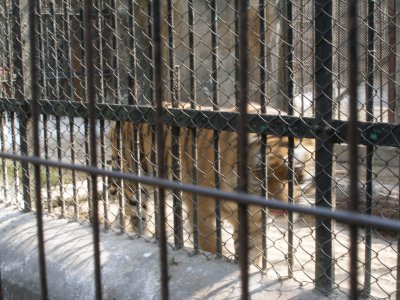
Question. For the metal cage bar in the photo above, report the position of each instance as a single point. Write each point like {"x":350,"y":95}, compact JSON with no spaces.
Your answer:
{"x":352,"y":140}
{"x":243,"y":147}
{"x":91,"y":100}
{"x":36,"y":148}
{"x":324,"y":271}
{"x":161,"y":172}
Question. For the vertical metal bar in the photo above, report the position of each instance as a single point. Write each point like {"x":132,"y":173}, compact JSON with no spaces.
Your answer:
{"x":396,"y":18}
{"x":14,"y":151}
{"x":19,"y":96}
{"x":90,"y":94}
{"x":58,"y":119}
{"x":4,"y":168}
{"x":11,"y":94}
{"x":324,"y":269}
{"x":116,"y":93}
{"x":370,"y":149}
{"x":49,"y":51}
{"x":136,"y":146}
{"x":132,"y":96}
{"x":114,"y":48}
{"x":47,"y":169}
{"x":289,"y":57}
{"x":157,"y":64}
{"x":64,"y":63}
{"x":103,"y":145}
{"x":54,"y":33}
{"x":153,"y":128}
{"x":36,"y":143}
{"x":82,"y":96}
{"x":301,"y":10}
{"x":339,"y":56}
{"x":104,"y":179}
{"x":379,"y":42}
{"x":353,"y":137}
{"x":73,"y":159}
{"x":237,"y":51}
{"x":44,"y":61}
{"x":193,"y":132}
{"x":120,"y":165}
{"x":133,"y":100}
{"x":216,"y":134}
{"x":398,"y":259}
{"x":289,"y":84}
{"x":263,"y":148}
{"x":176,"y":168}
{"x":68,"y":25}
{"x":68,"y":37}
{"x":392,"y":68}
{"x":283,"y":72}
{"x":242,"y":146}
{"x":174,"y":78}
{"x":171,"y":47}
{"x":5,"y":87}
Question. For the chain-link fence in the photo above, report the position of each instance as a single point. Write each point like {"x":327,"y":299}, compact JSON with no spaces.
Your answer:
{"x":295,"y":77}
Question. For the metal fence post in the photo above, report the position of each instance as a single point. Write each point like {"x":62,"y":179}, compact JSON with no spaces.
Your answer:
{"x":324,"y":269}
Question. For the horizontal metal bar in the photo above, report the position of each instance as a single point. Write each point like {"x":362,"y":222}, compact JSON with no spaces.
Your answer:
{"x":377,"y":134}
{"x":241,"y":198}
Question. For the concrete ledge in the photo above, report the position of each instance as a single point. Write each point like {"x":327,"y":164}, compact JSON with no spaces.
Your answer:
{"x":130,"y":268}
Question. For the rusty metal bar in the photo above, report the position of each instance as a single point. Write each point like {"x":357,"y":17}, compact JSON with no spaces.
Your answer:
{"x":91,"y":101}
{"x":242,"y":147}
{"x":157,"y":81}
{"x":353,"y":141}
{"x":35,"y":89}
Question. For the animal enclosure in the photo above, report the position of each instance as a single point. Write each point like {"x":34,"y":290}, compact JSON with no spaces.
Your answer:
{"x":231,"y":129}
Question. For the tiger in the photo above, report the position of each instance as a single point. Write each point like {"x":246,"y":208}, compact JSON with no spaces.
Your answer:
{"x":277,"y":170}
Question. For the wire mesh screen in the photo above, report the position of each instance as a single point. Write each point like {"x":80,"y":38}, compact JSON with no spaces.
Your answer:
{"x":298,"y":96}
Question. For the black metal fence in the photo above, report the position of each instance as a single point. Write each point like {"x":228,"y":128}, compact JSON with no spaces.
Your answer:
{"x":211,"y":110}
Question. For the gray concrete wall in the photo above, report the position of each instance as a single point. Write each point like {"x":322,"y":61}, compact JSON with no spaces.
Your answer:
{"x":130,"y":268}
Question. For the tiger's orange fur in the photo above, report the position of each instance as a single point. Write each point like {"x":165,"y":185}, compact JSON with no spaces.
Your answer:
{"x":277,"y":174}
